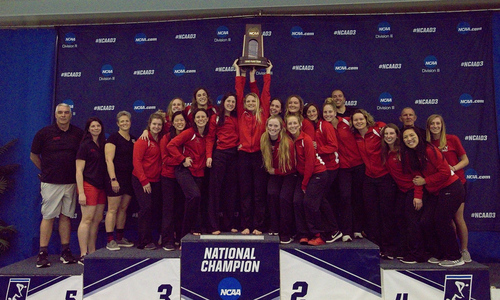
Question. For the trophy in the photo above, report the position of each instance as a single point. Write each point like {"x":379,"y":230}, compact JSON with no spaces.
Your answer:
{"x":253,"y":48}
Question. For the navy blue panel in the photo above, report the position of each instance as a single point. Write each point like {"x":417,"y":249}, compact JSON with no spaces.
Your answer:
{"x":27,"y":61}
{"x":435,"y":63}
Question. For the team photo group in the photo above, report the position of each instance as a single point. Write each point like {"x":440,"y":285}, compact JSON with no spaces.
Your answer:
{"x":310,"y":174}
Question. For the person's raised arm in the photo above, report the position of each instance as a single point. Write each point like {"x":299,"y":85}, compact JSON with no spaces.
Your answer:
{"x":239,"y":87}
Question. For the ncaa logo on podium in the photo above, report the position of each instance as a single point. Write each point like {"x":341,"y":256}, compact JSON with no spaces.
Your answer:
{"x":229,"y":289}
{"x":457,"y":287}
{"x":18,"y":289}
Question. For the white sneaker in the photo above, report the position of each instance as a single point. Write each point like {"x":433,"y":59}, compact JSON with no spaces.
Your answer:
{"x":335,"y":236}
{"x":434,"y":260}
{"x":358,"y":235}
{"x":452,"y":263}
{"x":466,"y":256}
{"x":346,"y":238}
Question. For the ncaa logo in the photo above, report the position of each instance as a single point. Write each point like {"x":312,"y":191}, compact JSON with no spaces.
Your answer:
{"x":463,"y":27}
{"x":179,"y":70}
{"x":219,"y":99}
{"x":139,"y":106}
{"x":471,"y":175}
{"x":296,"y":32}
{"x":107,"y":70}
{"x":384,"y":27}
{"x":431,"y":61}
{"x":340,"y":66}
{"x":18,"y":289}
{"x":466,"y":100}
{"x":222,"y":31}
{"x":140,"y":38}
{"x":457,"y":287}
{"x":385,"y":98}
{"x":70,"y":103}
{"x":229,"y":289}
{"x":70,"y":38}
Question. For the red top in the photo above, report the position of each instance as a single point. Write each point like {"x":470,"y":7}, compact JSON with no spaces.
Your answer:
{"x":276,"y":159}
{"x":308,"y":127}
{"x":327,"y":145}
{"x":210,"y":111}
{"x":452,"y":152}
{"x":168,"y":166}
{"x":308,"y":161}
{"x":147,"y":160}
{"x":249,"y":131}
{"x":189,"y":143}
{"x":226,"y":135}
{"x":403,"y":180}
{"x":348,"y":148}
{"x":369,"y":148}
{"x":166,"y":126}
{"x":437,"y":172}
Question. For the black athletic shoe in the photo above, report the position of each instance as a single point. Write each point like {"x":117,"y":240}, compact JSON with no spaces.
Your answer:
{"x":285,"y":240}
{"x":169,"y":246}
{"x":333,"y":237}
{"x":67,"y":257}
{"x":42,"y":260}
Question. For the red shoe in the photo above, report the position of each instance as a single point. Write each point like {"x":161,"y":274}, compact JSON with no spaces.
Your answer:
{"x":317,"y":241}
{"x":304,"y":241}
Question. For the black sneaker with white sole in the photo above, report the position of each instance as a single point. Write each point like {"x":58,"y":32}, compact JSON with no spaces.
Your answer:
{"x":335,"y":236}
{"x":42,"y":260}
{"x":67,"y":257}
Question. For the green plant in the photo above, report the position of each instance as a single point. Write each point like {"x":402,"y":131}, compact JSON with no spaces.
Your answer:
{"x":6,"y":183}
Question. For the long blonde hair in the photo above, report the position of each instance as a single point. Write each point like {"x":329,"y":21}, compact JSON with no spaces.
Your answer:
{"x":285,"y":161}
{"x":258,"y":110}
{"x":170,"y":112}
{"x":428,"y":135}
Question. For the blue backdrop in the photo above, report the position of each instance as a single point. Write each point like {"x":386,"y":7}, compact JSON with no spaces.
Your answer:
{"x":27,"y":65}
{"x":366,"y":56}
{"x":435,"y":63}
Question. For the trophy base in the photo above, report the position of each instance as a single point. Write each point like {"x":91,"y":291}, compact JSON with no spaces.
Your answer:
{"x":260,"y":62}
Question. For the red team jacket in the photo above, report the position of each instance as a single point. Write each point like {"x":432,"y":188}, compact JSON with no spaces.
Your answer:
{"x":308,"y":161}
{"x":189,"y":113}
{"x":452,"y":152}
{"x":349,"y":155}
{"x":226,"y":136}
{"x":189,"y":143}
{"x":249,"y":131}
{"x":147,"y":160}
{"x":369,"y":148}
{"x":404,"y":181}
{"x":308,"y":128}
{"x":327,"y":145}
{"x":437,"y":173}
{"x":167,"y":166}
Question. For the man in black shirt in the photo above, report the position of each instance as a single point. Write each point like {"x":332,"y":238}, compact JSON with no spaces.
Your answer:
{"x":408,"y":118}
{"x":53,"y":151}
{"x":339,"y":101}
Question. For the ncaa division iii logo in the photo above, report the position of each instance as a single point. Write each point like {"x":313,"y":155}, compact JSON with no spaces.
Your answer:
{"x":457,"y":287}
{"x":18,"y":289}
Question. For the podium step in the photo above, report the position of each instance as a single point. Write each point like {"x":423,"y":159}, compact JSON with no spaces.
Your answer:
{"x":431,"y":281}
{"x":59,"y":281}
